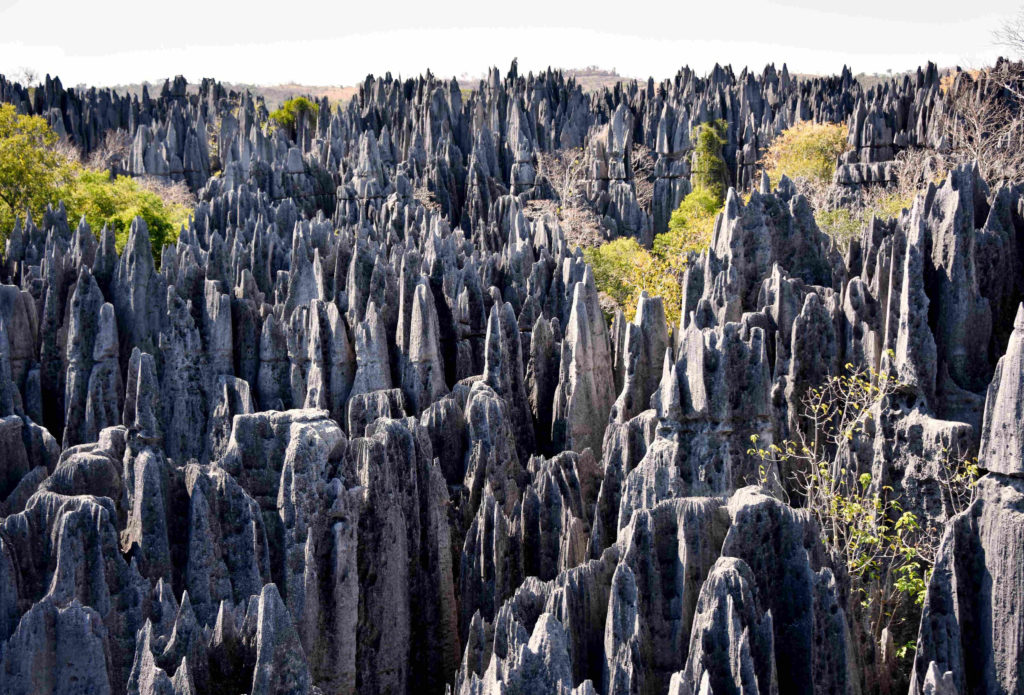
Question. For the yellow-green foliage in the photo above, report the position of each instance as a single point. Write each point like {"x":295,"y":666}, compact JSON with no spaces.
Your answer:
{"x":34,"y":173}
{"x":844,"y":224}
{"x":807,"y":150}
{"x":117,"y":202}
{"x":709,"y":169}
{"x":623,"y":269}
{"x":31,"y":170}
{"x":288,"y":115}
{"x":691,"y":225}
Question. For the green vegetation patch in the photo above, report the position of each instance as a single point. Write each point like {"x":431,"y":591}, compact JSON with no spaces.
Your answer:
{"x":845,"y":224}
{"x":35,"y":172}
{"x":291,"y":111}
{"x":116,"y":202}
{"x":807,"y":150}
{"x":31,"y":169}
{"x":623,"y":268}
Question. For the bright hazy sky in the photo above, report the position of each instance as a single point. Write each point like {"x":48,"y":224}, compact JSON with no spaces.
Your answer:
{"x":105,"y":42}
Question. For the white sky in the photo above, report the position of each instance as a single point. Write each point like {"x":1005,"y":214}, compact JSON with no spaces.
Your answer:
{"x":104,"y":42}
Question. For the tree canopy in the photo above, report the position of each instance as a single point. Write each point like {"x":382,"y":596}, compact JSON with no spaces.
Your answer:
{"x":31,"y":169}
{"x":35,"y":172}
{"x":807,"y":150}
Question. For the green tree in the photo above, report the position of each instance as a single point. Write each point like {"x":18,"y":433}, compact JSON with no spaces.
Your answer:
{"x":691,"y":225}
{"x":888,"y":552}
{"x":35,"y":173}
{"x":292,"y":111}
{"x":31,"y":170}
{"x":709,"y":170}
{"x":115,"y":203}
{"x":623,"y":269}
{"x":807,"y":150}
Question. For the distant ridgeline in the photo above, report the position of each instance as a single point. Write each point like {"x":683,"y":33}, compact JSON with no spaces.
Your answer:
{"x":365,"y":429}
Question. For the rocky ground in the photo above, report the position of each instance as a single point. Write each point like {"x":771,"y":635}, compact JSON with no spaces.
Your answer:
{"x":340,"y":441}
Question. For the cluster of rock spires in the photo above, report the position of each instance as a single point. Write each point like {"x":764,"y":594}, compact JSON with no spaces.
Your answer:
{"x":468,"y":152}
{"x":341,"y":441}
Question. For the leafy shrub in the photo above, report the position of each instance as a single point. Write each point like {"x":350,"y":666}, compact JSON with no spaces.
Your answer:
{"x":117,"y":202}
{"x":690,"y":227}
{"x":840,"y":224}
{"x":887,"y":551}
{"x":709,"y":170}
{"x":846,"y":223}
{"x":623,"y":269}
{"x":807,"y":150}
{"x":31,"y":169}
{"x":807,"y":154}
{"x":291,"y":111}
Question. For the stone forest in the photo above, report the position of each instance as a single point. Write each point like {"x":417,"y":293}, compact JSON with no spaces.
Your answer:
{"x":378,"y":417}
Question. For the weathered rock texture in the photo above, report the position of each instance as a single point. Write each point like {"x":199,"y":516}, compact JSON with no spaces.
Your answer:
{"x":365,"y":429}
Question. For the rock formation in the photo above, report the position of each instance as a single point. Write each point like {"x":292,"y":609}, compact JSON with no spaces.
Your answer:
{"x":364,"y":427}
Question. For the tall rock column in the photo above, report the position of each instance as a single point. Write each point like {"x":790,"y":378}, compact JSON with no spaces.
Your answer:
{"x":970,"y":628}
{"x":585,"y":393}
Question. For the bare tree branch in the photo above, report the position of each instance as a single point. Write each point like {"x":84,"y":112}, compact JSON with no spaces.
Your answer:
{"x":1011,"y":35}
{"x":985,"y":121}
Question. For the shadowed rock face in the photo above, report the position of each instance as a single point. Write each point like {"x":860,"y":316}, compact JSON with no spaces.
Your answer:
{"x":365,"y":427}
{"x":969,"y":641}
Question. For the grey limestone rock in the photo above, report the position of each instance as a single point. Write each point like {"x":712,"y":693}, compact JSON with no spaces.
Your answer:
{"x":584,"y":395}
{"x":280,"y":662}
{"x":227,"y":556}
{"x":542,"y":376}
{"x":492,"y":465}
{"x":362,"y":427}
{"x":105,"y":395}
{"x":422,"y":372}
{"x":645,"y":340}
{"x":666,"y":554}
{"x":364,"y":409}
{"x":1002,"y":442}
{"x":556,"y":512}
{"x":57,"y":649}
{"x":138,"y":292}
{"x":373,"y":371}
{"x":83,"y":334}
{"x":146,"y":480}
{"x":963,"y":628}
{"x":504,"y":372}
{"x":788,"y":582}
{"x":732,"y":641}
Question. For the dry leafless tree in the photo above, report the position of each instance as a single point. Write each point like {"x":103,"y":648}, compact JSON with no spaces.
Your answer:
{"x":565,"y":171}
{"x":985,"y":121}
{"x":1010,"y":34}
